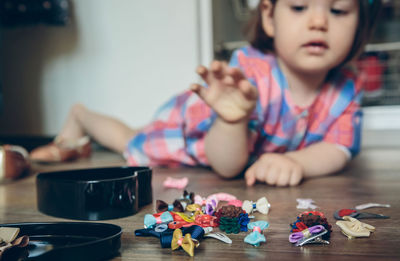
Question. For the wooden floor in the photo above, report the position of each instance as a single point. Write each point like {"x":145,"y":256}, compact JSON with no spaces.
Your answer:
{"x":374,"y":176}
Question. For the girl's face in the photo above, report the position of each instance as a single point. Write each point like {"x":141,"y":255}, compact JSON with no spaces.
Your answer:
{"x":311,"y":36}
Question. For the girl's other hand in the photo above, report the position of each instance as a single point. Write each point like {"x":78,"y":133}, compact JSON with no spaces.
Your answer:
{"x":229,"y":93}
{"x":275,"y":169}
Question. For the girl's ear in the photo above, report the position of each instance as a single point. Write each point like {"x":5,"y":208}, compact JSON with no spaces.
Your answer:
{"x":267,"y":9}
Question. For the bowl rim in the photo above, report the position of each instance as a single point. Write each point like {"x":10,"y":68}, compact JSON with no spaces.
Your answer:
{"x":58,"y":176}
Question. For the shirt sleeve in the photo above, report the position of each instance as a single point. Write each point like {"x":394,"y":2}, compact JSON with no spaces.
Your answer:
{"x":346,"y":130}
{"x":174,"y":137}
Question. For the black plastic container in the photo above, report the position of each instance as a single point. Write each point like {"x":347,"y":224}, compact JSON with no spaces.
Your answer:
{"x":66,"y":241}
{"x":94,"y":194}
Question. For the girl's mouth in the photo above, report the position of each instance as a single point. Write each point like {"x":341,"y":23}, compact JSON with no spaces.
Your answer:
{"x":316,"y":47}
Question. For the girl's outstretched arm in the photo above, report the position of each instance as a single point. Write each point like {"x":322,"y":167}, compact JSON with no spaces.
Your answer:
{"x":288,"y":169}
{"x":233,"y":99}
{"x":320,"y":159}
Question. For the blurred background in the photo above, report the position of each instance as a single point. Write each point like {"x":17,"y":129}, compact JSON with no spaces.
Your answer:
{"x":125,"y":58}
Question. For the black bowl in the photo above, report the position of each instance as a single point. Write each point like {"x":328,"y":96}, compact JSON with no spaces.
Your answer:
{"x":94,"y":194}
{"x":78,"y":241}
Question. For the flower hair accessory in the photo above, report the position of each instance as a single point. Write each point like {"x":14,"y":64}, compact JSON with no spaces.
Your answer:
{"x":309,"y":219}
{"x":228,"y":211}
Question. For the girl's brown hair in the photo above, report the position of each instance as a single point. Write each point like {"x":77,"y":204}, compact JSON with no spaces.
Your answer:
{"x":369,"y":10}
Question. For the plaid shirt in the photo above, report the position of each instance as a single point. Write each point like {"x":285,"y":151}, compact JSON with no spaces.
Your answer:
{"x":176,"y":135}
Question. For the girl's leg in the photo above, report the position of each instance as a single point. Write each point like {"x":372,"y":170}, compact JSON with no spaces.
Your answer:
{"x":106,"y":130}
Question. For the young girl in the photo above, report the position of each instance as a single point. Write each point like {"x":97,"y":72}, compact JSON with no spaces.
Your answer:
{"x":286,"y":106}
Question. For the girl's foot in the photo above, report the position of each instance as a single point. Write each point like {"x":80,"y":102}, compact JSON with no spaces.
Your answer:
{"x":61,"y":150}
{"x":14,"y":162}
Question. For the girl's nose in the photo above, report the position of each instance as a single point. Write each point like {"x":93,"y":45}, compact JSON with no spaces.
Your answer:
{"x":318,"y":20}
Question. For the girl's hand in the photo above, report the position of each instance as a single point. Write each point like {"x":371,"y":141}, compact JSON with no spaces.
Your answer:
{"x":229,"y":93}
{"x":275,"y":169}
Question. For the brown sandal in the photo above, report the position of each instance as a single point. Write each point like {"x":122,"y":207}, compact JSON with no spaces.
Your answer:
{"x":61,"y":150}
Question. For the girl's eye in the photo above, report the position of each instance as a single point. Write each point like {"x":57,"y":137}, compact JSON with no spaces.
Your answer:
{"x":338,"y":11}
{"x":298,"y":8}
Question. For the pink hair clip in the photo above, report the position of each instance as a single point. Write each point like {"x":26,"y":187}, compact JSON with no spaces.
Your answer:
{"x":204,"y":201}
{"x":221,"y":196}
{"x":236,"y":203}
{"x":176,"y":183}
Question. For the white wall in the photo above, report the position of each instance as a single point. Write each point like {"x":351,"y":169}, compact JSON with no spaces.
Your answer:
{"x":123,"y":58}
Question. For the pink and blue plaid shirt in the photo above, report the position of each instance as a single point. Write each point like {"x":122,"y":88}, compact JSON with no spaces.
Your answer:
{"x":176,"y":135}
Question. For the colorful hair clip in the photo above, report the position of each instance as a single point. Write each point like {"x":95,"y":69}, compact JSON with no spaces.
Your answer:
{"x":196,"y":209}
{"x":262,"y":205}
{"x":221,"y":196}
{"x":300,"y":237}
{"x":235,"y":202}
{"x":305,"y":203}
{"x":314,"y":239}
{"x":217,"y":235}
{"x":162,"y":206}
{"x":151,"y":220}
{"x":256,"y":237}
{"x":353,"y":228}
{"x":187,"y":197}
{"x":308,"y":219}
{"x":178,"y":183}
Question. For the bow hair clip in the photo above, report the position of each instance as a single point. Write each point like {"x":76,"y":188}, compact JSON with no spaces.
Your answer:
{"x":256,"y":237}
{"x":156,"y":231}
{"x":262,"y":205}
{"x":211,"y":206}
{"x":9,"y":239}
{"x":162,"y":206}
{"x":352,"y":227}
{"x":203,"y":201}
{"x":151,"y":220}
{"x":178,"y":183}
{"x":185,"y":242}
{"x":309,"y":236}
{"x":196,"y":208}
{"x":305,"y":203}
{"x":187,"y":197}
{"x":206,"y":221}
{"x":179,"y":216}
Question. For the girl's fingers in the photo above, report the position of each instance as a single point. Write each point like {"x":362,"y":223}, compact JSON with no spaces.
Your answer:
{"x":250,"y":177}
{"x":295,"y":177}
{"x":199,"y":89}
{"x":271,"y":177}
{"x":283,"y":179}
{"x":228,"y":80}
{"x":248,"y":90}
{"x":217,"y":68}
{"x":203,"y":73}
{"x":235,"y":73}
